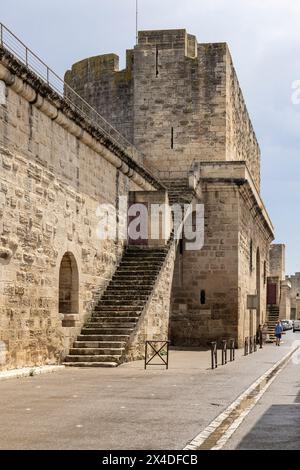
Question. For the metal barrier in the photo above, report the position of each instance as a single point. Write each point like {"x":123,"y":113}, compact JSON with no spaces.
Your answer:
{"x":224,"y":351}
{"x":232,"y":349}
{"x":254,"y":344}
{"x":260,"y":340}
{"x":157,"y":352}
{"x":246,"y":346}
{"x":214,"y":355}
{"x":251,"y":345}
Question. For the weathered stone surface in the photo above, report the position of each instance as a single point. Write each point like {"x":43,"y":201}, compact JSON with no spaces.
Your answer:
{"x":177,"y":101}
{"x":36,"y":232}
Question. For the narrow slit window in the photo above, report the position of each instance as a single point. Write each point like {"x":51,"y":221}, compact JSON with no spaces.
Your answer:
{"x":172,"y":137}
{"x":251,"y":256}
{"x":156,"y":62}
{"x":202,"y":297}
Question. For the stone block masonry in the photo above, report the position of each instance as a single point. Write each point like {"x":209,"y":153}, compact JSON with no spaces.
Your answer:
{"x":53,"y":177}
{"x":180,"y":104}
{"x":176,"y":100}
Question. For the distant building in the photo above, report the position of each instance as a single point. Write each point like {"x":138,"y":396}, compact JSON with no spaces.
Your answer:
{"x":294,"y":281}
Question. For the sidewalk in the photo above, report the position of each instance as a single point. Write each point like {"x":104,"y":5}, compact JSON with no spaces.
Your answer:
{"x":126,"y":407}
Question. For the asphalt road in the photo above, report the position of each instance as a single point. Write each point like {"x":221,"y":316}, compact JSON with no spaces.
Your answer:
{"x":127,"y":407}
{"x":274,"y":423}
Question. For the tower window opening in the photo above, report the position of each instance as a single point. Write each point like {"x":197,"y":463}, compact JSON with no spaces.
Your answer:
{"x":251,"y":256}
{"x":202,"y":297}
{"x":172,"y":137}
{"x":156,"y":62}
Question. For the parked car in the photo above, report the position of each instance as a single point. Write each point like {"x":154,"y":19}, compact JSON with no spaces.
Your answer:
{"x":287,"y":324}
{"x":296,"y":326}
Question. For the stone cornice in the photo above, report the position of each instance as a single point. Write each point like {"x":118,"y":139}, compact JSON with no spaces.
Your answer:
{"x":238,"y":174}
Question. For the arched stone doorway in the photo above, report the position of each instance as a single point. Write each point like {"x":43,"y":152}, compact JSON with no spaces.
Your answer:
{"x":68,"y":288}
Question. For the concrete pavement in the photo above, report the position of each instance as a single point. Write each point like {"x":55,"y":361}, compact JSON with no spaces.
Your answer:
{"x":126,"y":407}
{"x":274,"y":423}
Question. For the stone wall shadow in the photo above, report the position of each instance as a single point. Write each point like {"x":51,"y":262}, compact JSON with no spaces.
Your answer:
{"x":277,"y":429}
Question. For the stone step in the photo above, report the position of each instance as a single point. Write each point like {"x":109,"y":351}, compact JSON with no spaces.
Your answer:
{"x":118,"y":314}
{"x":93,"y":358}
{"x":99,"y":344}
{"x":138,"y":261}
{"x":96,"y":351}
{"x":108,"y":319}
{"x":131,"y":289}
{"x":119,"y":302}
{"x":139,"y":264}
{"x":138,"y":281}
{"x":117,"y":308}
{"x":136,"y":256}
{"x":131,"y":283}
{"x":122,"y":296}
{"x":103,"y":324}
{"x":142,"y":272}
{"x":144,"y":280}
{"x":145,"y":250}
{"x":106,"y":331}
{"x":139,"y":270}
{"x":102,"y":337}
{"x":91,"y":364}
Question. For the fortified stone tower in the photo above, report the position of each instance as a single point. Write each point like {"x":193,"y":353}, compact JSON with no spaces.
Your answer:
{"x":180,"y":104}
{"x":177,"y":101}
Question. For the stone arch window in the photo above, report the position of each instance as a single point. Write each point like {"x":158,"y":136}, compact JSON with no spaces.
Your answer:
{"x":68,"y":287}
{"x":251,"y":256}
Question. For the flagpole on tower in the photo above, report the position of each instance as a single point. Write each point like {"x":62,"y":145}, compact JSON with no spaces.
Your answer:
{"x":136,"y":20}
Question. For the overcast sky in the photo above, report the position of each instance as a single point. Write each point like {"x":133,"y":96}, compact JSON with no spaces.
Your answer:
{"x":264,"y":39}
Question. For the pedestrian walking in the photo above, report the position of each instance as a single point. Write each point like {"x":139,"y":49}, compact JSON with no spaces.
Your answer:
{"x":278,"y":332}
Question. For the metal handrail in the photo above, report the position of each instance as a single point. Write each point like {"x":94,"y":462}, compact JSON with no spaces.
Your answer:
{"x":10,"y":42}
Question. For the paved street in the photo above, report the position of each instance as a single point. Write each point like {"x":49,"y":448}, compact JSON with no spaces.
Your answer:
{"x":274,"y":423}
{"x":127,"y":407}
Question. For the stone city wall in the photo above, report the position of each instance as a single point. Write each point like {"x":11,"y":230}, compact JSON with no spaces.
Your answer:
{"x":53,"y":177}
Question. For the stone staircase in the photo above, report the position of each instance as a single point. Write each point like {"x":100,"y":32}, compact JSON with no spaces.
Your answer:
{"x":178,"y":190}
{"x":273,"y":317}
{"x":103,"y":338}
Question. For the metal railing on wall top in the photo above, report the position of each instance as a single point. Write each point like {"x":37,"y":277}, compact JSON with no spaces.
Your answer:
{"x":10,"y":42}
